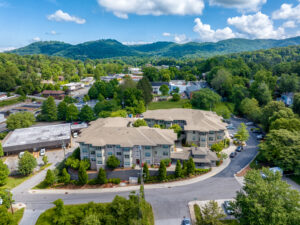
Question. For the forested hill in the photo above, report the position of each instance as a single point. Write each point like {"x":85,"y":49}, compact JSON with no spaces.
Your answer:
{"x":111,"y":48}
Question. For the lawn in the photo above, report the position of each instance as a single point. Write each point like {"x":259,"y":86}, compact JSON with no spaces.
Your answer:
{"x":167,"y":104}
{"x":14,"y":181}
{"x":18,"y":215}
{"x":10,"y":102}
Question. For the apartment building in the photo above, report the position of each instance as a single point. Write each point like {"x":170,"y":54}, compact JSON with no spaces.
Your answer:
{"x":199,"y":127}
{"x":116,"y":136}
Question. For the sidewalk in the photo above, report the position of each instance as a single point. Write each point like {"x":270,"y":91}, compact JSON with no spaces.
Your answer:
{"x":213,"y":172}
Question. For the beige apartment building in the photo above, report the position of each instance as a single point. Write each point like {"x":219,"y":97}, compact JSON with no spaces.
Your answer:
{"x":116,"y":136}
{"x":199,"y":127}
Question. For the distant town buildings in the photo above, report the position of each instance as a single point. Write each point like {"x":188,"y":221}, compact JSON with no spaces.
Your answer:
{"x":73,"y":86}
{"x":135,"y":71}
{"x":88,"y":81}
{"x":59,"y":95}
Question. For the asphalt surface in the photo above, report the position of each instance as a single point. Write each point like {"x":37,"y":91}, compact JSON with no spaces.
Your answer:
{"x":170,"y":205}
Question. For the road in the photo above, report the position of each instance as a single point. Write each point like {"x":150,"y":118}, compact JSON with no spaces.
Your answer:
{"x":169,"y":204}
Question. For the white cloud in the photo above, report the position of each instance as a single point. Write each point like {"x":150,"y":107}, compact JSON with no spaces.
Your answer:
{"x":257,"y":25}
{"x":181,"y":38}
{"x":289,"y":24}
{"x":59,"y":16}
{"x":136,"y":43}
{"x":166,"y":34}
{"x":5,"y":49}
{"x":207,"y":34}
{"x":121,"y":8}
{"x":241,"y":5}
{"x":35,"y":39}
{"x":287,"y":11}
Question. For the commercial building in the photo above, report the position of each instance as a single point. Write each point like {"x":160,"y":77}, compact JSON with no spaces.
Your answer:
{"x":116,"y":136}
{"x":36,"y":138}
{"x":88,"y":81}
{"x":59,"y":95}
{"x":202,"y":128}
{"x":73,"y":86}
{"x":203,"y":157}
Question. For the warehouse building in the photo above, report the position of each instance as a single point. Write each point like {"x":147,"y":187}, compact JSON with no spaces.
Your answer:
{"x":36,"y":138}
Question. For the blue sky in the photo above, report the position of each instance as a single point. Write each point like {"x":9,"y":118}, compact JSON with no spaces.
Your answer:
{"x":141,"y":21}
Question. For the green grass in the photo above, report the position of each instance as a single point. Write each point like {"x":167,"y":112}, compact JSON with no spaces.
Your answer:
{"x":14,"y":181}
{"x":10,"y":102}
{"x":167,"y":104}
{"x":295,"y":178}
{"x":18,"y":215}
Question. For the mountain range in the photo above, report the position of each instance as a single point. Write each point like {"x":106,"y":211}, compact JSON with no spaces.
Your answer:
{"x":109,"y":48}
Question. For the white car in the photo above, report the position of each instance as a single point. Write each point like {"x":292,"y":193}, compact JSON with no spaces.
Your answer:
{"x":43,"y":152}
{"x":75,"y":135}
{"x":249,"y":123}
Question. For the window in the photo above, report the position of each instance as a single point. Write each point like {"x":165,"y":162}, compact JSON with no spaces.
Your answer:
{"x":147,"y":147}
{"x":194,"y":139}
{"x":211,"y":138}
{"x":85,"y":157}
{"x":109,"y":153}
{"x":126,"y":149}
{"x":147,"y":154}
{"x":99,"y":154}
{"x":84,"y":150}
{"x":126,"y":156}
{"x":119,"y":153}
{"x":92,"y":152}
{"x":211,"y":132}
{"x":109,"y":146}
{"x":165,"y":146}
{"x":165,"y":153}
{"x":219,"y":137}
{"x":93,"y":159}
{"x":118,"y":146}
{"x":148,"y":162}
{"x":203,"y":139}
{"x":127,"y":164}
{"x":99,"y":162}
{"x":98,"y":148}
{"x":194,"y":132}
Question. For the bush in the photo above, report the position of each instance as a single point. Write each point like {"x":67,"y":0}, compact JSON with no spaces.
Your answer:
{"x":162,"y":172}
{"x":26,"y":164}
{"x":92,"y":182}
{"x":50,"y":178}
{"x":4,"y":171}
{"x":140,"y":123}
{"x":190,"y":166}
{"x":66,"y":177}
{"x":112,"y":162}
{"x":166,"y":162}
{"x":114,"y":180}
{"x":175,"y":97}
{"x":82,"y":175}
{"x":101,"y":178}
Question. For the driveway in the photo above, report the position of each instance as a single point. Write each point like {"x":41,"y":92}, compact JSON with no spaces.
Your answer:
{"x":170,"y":204}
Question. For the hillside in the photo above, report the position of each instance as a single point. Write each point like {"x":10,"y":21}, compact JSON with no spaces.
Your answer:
{"x":111,"y":48}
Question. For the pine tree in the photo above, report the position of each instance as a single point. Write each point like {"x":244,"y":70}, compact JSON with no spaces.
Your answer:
{"x":101,"y":178}
{"x":50,"y":178}
{"x":178,"y":171}
{"x":86,"y":114}
{"x":146,"y":88}
{"x":62,"y":110}
{"x":49,"y":110}
{"x":65,"y":176}
{"x":162,"y":172}
{"x":190,"y":166}
{"x":82,"y":175}
{"x":4,"y":171}
{"x":184,"y":168}
{"x":146,"y":171}
{"x":72,"y":113}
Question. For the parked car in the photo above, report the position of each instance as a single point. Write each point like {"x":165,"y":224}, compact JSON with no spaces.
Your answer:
{"x":259,"y":137}
{"x":42,"y":152}
{"x":75,"y":135}
{"x":249,"y":123}
{"x":186,"y":221}
{"x":256,"y":130}
{"x":21,"y":154}
{"x":230,"y":127}
{"x":227,"y":207}
{"x":239,"y":149}
{"x":232,"y":154}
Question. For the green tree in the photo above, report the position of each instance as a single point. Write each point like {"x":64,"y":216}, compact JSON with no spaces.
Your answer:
{"x":250,"y":108}
{"x":6,"y":197}
{"x":26,"y":164}
{"x":20,"y":120}
{"x":45,"y":159}
{"x":162,"y":171}
{"x":4,"y":171}
{"x":112,"y":162}
{"x":205,"y":99}
{"x":49,"y":110}
{"x":288,"y":83}
{"x":82,"y":174}
{"x":211,"y":214}
{"x":190,"y":166}
{"x":140,"y":123}
{"x":242,"y":133}
{"x":91,"y":219}
{"x":287,"y":124}
{"x":1,"y":150}
{"x":175,"y":97}
{"x":101,"y":178}
{"x":146,"y":173}
{"x":269,"y":110}
{"x":267,"y":200}
{"x":178,"y":170}
{"x":217,"y":147}
{"x":93,"y":92}
{"x":62,"y":110}
{"x":222,"y":82}
{"x":86,"y":114}
{"x":66,"y":177}
{"x":6,"y":218}
{"x":146,"y":88}
{"x":263,"y":94}
{"x":72,"y":113}
{"x":177,"y":129}
{"x":281,"y":148}
{"x":50,"y":178}
{"x":296,"y":103}
{"x":151,"y":73}
{"x":60,"y":215}
{"x":164,"y":89}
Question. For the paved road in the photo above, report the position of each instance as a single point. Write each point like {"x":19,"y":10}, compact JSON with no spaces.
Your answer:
{"x":169,"y":204}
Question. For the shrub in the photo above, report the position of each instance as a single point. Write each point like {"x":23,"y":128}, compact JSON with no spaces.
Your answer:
{"x":114,"y":180}
{"x":166,"y":161}
{"x":92,"y":182}
{"x":4,"y":171}
{"x":162,"y":172}
{"x":112,"y":162}
{"x":175,"y":97}
{"x":140,"y":123}
{"x":82,"y":175}
{"x":146,"y":171}
{"x":190,"y":166}
{"x":178,"y":170}
{"x":45,"y":160}
{"x":26,"y":164}
{"x":101,"y":178}
{"x":65,"y":176}
{"x":50,"y":178}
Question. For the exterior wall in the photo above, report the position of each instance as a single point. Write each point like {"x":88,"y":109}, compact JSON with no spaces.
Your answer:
{"x":204,"y":139}
{"x":127,"y":156}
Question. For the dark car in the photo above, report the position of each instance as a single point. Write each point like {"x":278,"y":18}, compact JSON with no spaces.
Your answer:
{"x":232,"y":154}
{"x":239,"y":149}
{"x":186,"y":221}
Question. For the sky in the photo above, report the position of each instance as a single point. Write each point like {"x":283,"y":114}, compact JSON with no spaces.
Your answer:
{"x":145,"y":21}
